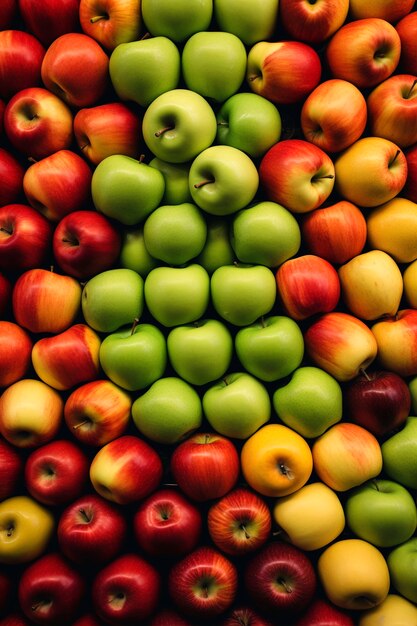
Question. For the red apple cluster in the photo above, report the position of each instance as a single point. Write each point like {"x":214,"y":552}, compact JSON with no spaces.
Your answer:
{"x":208,"y":312}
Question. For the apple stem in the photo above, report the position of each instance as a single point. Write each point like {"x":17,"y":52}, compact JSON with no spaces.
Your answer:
{"x":85,"y":515}
{"x":395,"y":157}
{"x":10,"y":530}
{"x":411,"y":89}
{"x":204,"y":589}
{"x":163,"y":130}
{"x":134,"y":325}
{"x":375,"y":482}
{"x":247,"y":535}
{"x":32,"y":160}
{"x":203,"y":182}
{"x":97,"y":18}
{"x":282,"y":582}
{"x":76,"y":426}
{"x":363,"y":372}
{"x":207,"y":438}
{"x":5,"y":230}
{"x":222,"y":124}
{"x":147,"y":35}
{"x":253,"y":77}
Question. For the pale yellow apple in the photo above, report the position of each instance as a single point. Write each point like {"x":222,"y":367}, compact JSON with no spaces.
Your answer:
{"x":311,"y":517}
{"x":354,"y":574}
{"x":410,"y":284}
{"x":392,"y":228}
{"x":371,"y":285}
{"x":393,"y":611}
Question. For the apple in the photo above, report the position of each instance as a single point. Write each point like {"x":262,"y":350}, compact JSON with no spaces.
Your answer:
{"x":168,"y":410}
{"x":56,"y":473}
{"x":392,"y":609}
{"x":203,"y":584}
{"x":47,"y":21}
{"x":341,"y":344}
{"x":175,"y":176}
{"x":304,"y":178}
{"x":168,"y":617}
{"x":365,"y":582}
{"x":406,"y":28}
{"x":126,"y":590}
{"x":133,"y":253}
{"x":12,"y":173}
{"x":324,"y":119}
{"x":217,"y":250}
{"x":6,"y":289}
{"x":30,"y":413}
{"x":111,"y":22}
{"x":346,"y":455}
{"x":364,"y":51}
{"x":38,"y":123}
{"x":378,"y":400}
{"x":91,"y":530}
{"x":312,"y":23}
{"x":20,"y":61}
{"x":245,"y":616}
{"x":25,"y":237}
{"x":237,"y":405}
{"x":391,"y":11}
{"x":9,"y":10}
{"x":395,"y":337}
{"x":284,"y":72}
{"x":87,"y":619}
{"x":26,"y":529}
{"x":15,"y":352}
{"x":58,"y":184}
{"x":321,"y":612}
{"x":250,"y":21}
{"x":409,"y":191}
{"x":398,"y":454}
{"x":85,"y":243}
{"x":276,"y":461}
{"x":205,"y":466}
{"x":177,"y":23}
{"x":402,"y":568}
{"x":14,"y":619}
{"x":11,"y":469}
{"x":240,"y":522}
{"x":397,"y":243}
{"x":337,"y":232}
{"x":126,"y":470}
{"x":76,"y":68}
{"x":166,"y":524}
{"x":46,"y":302}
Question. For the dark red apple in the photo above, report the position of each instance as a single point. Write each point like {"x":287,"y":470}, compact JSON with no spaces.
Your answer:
{"x":11,"y":176}
{"x":25,"y":237}
{"x":322,"y":613}
{"x":168,"y":618}
{"x":11,"y":469}
{"x":87,"y":620}
{"x":245,"y":616}
{"x":48,"y":19}
{"x":14,"y":619}
{"x":21,"y":56}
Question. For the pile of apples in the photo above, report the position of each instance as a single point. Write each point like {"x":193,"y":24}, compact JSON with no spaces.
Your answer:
{"x":208,"y":298}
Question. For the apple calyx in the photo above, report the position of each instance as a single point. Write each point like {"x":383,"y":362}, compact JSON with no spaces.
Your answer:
{"x":318,"y":177}
{"x":117,"y":600}
{"x":285,"y":471}
{"x":41,"y":605}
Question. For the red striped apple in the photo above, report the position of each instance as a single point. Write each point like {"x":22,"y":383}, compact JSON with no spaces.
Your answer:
{"x":407,"y":30}
{"x":25,"y":237}
{"x":15,"y":352}
{"x":111,"y":22}
{"x":48,"y":20}
{"x":11,"y":469}
{"x":21,"y":56}
{"x":312,"y":23}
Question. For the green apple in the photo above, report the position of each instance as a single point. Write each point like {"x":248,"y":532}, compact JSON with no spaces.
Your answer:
{"x":242,"y":293}
{"x":217,"y":250}
{"x":26,"y":527}
{"x":237,"y":405}
{"x":213,"y":64}
{"x":200,"y":353}
{"x":175,"y":233}
{"x":399,"y":454}
{"x":177,"y":20}
{"x":382,"y":512}
{"x":248,"y":122}
{"x":134,"y":357}
{"x":113,"y":299}
{"x":223,"y":180}
{"x":270,"y":348}
{"x":168,"y":411}
{"x":133,"y":252}
{"x":250,"y":20}
{"x":178,"y":125}
{"x":412,"y":385}
{"x":310,"y":402}
{"x":175,"y":175}
{"x":177,"y":295}
{"x":402,"y":565}
{"x":142,"y":70}
{"x":265,"y":233}
{"x":126,"y":189}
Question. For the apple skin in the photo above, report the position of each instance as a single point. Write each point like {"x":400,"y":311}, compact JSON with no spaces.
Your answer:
{"x":6,"y":289}
{"x":402,"y":568}
{"x":409,"y":191}
{"x":397,"y":243}
{"x":395,"y":607}
{"x":390,"y":11}
{"x":166,"y":524}
{"x":12,"y":173}
{"x":396,"y":340}
{"x":322,"y":613}
{"x":205,"y":466}
{"x":11,"y":469}
{"x":14,"y":619}
{"x":378,"y":400}
{"x":9,"y":10}
{"x":250,"y":21}
{"x":312,"y":24}
{"x":15,"y":353}
{"x":20,"y":62}
{"x":245,"y":616}
{"x":398,"y":455}
{"x":177,"y":22}
{"x":168,"y":617}
{"x":111,"y":22}
{"x":56,"y":473}
{"x":25,"y":237}
{"x":47,"y":21}
{"x":407,"y":29}
{"x":91,"y":530}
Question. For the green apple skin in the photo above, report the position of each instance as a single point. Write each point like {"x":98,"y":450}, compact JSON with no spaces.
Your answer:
{"x":177,"y":295}
{"x":237,"y":405}
{"x":175,"y":233}
{"x":126,"y":189}
{"x":177,"y":20}
{"x":178,"y":125}
{"x":250,"y":123}
{"x":399,"y":454}
{"x":402,"y":565}
{"x":133,"y":253}
{"x":241,"y":294}
{"x":26,"y":528}
{"x":382,"y":512}
{"x":213,"y":64}
{"x":270,"y":348}
{"x":200,"y":353}
{"x":175,"y":175}
{"x":310,"y":402}
{"x":134,"y":357}
{"x":265,"y":233}
{"x":250,"y":20}
{"x":217,"y":250}
{"x":412,"y":385}
{"x":112,"y":299}
{"x":223,"y":180}
{"x":168,"y":411}
{"x":140,"y":71}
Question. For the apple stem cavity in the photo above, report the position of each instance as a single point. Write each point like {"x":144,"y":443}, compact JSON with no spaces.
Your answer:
{"x":243,"y":527}
{"x":207,"y":181}
{"x":85,"y":516}
{"x":285,"y":471}
{"x":284,"y":584}
{"x":409,"y":93}
{"x":10,"y":530}
{"x":83,"y":423}
{"x":97,"y":18}
{"x":394,"y":158}
{"x":163,"y":130}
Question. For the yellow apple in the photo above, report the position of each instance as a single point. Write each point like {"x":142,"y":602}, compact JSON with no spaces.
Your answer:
{"x":392,"y":228}
{"x":393,"y":611}
{"x":410,"y":284}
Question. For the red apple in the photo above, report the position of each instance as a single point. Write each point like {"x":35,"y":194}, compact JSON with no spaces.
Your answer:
{"x":88,"y":619}
{"x":323,"y":613}
{"x":11,"y":176}
{"x":76,"y":69}
{"x":91,"y":530}
{"x":8,"y":14}
{"x":2,"y":109}
{"x":167,"y":617}
{"x":409,"y":190}
{"x":205,"y":466}
{"x":407,"y":30}
{"x":57,"y":472}
{"x":14,"y":619}
{"x":396,"y":339}
{"x":21,"y":56}
{"x":85,"y":243}
{"x":126,"y":591}
{"x":245,"y":616}
{"x":25,"y":237}
{"x":48,"y":20}
{"x":312,"y":22}
{"x":167,"y":524}
{"x":15,"y":353}
{"x":11,"y":469}
{"x":5,"y":294}
{"x":111,"y":22}
{"x":390,"y":10}
{"x":58,"y":184}
{"x":203,"y":584}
